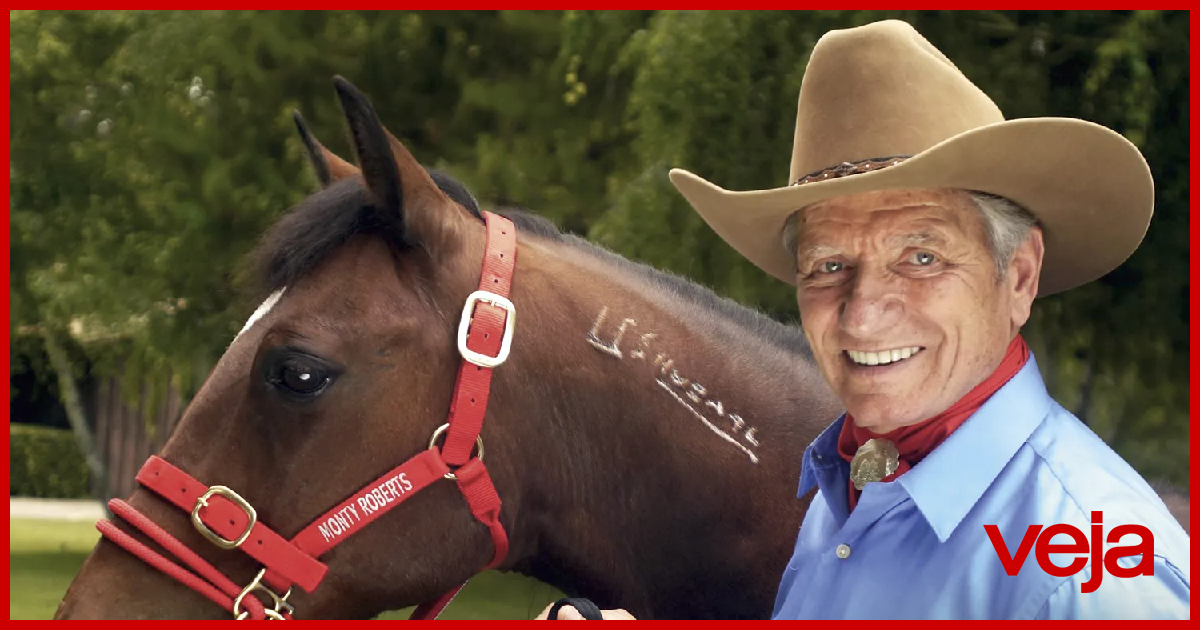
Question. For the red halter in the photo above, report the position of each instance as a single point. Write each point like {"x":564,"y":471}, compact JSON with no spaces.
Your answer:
{"x":230,"y":522}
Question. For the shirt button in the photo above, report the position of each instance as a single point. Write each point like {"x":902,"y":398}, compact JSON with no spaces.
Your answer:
{"x":843,"y":551}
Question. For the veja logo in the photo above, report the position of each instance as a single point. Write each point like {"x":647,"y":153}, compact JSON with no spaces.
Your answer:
{"x":1100,"y":561}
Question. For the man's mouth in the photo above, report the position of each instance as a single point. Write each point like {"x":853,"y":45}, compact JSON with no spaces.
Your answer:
{"x":883,"y":357}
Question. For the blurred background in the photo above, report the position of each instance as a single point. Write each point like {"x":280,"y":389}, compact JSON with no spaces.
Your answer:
{"x":149,"y":150}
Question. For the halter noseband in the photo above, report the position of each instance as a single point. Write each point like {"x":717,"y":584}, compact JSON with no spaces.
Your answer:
{"x":230,"y":522}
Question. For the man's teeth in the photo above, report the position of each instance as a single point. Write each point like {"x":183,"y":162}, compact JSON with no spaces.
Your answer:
{"x":882,"y":357}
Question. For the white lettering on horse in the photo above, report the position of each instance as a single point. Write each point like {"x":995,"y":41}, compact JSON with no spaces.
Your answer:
{"x":339,"y":523}
{"x":612,"y":347}
{"x":640,"y":352}
{"x":682,"y":389}
{"x":387,"y":492}
{"x":725,"y":436}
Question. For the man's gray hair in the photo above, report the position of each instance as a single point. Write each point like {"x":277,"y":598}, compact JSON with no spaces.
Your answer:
{"x":1005,"y":226}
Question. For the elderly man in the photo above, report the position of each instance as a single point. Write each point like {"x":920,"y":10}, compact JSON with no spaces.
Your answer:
{"x":918,"y":227}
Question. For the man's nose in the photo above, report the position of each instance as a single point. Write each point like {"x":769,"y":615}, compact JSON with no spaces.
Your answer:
{"x":873,"y":305}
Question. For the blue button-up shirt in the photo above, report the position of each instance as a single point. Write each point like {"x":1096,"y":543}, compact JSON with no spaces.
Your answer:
{"x":916,"y":547}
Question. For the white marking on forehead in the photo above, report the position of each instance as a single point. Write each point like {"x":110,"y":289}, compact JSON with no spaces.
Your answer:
{"x":262,"y":310}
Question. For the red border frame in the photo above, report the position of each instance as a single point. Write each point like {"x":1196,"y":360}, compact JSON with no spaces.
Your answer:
{"x":449,"y":4}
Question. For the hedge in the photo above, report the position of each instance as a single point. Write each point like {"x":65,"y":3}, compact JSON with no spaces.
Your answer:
{"x":46,"y":463}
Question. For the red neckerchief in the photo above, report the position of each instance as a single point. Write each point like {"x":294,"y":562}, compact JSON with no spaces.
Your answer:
{"x":916,"y":441}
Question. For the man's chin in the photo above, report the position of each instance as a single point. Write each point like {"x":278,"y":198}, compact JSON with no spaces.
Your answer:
{"x":880,"y":414}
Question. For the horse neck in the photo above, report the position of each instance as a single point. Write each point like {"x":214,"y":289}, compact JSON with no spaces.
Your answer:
{"x":663,"y":440}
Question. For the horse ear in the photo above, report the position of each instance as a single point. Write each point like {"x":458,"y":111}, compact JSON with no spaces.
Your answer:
{"x":399,"y":186}
{"x":328,"y":166}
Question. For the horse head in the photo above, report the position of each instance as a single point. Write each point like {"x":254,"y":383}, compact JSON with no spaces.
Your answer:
{"x":346,"y":370}
{"x":337,"y":463}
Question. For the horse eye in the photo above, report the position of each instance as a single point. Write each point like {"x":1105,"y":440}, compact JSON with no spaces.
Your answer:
{"x":299,"y":376}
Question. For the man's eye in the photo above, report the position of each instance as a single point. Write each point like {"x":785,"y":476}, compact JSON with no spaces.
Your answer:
{"x":924,"y":258}
{"x":830,"y":266}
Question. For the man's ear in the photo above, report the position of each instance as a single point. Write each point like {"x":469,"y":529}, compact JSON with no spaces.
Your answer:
{"x":1024,"y":271}
{"x":328,"y":166}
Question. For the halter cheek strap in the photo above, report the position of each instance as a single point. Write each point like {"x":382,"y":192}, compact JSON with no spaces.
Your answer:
{"x":230,"y":522}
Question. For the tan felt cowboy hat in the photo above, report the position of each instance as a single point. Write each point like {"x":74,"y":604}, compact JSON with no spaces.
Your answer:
{"x":881,"y":108}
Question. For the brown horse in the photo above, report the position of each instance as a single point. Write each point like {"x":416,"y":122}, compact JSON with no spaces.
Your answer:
{"x":644,"y":435}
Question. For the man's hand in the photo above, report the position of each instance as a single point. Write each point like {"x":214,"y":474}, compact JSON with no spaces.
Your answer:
{"x":568,"y":613}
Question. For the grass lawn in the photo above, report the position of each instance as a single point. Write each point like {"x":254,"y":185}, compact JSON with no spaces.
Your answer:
{"x":45,"y":555}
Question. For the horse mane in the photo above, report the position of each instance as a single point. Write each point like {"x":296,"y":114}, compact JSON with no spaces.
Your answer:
{"x":324,"y":221}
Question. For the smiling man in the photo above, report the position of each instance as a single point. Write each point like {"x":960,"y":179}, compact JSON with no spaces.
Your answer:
{"x":918,"y":228}
{"x":905,"y":299}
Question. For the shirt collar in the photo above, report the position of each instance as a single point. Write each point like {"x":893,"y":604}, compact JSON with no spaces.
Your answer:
{"x":821,"y":454}
{"x":952,"y":478}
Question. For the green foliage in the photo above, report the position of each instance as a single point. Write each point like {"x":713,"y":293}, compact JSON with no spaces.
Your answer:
{"x":150,"y":149}
{"x":46,"y":463}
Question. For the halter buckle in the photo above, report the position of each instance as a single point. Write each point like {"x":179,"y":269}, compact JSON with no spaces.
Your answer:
{"x":237,"y":500}
{"x":483,"y":360}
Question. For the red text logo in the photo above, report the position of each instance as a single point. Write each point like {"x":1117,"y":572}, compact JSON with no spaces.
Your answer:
{"x":1100,"y":561}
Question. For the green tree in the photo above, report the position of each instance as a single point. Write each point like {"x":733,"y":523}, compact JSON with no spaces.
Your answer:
{"x":149,"y":150}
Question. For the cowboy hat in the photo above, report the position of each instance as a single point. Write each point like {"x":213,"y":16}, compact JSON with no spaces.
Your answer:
{"x":881,"y":108}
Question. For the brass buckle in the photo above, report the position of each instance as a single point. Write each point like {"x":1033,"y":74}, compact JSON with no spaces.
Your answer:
{"x":437,"y":433}
{"x":238,"y":501}
{"x":273,"y":614}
